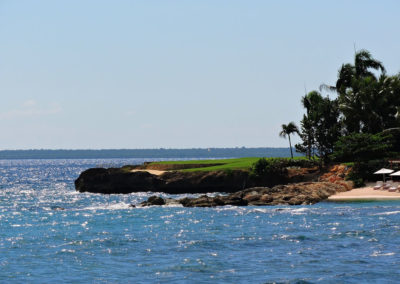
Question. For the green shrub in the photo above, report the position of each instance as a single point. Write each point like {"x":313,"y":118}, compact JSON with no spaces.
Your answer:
{"x":269,"y":167}
{"x":259,"y":168}
{"x":229,"y":172}
{"x":277,"y":166}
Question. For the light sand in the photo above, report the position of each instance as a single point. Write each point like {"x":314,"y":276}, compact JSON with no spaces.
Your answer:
{"x":153,"y":172}
{"x":365,"y":193}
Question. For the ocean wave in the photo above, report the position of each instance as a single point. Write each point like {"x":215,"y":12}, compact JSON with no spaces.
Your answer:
{"x":386,"y":213}
{"x":115,"y":206}
{"x":378,"y":253}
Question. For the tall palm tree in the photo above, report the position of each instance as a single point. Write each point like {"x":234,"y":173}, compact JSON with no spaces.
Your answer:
{"x":354,"y":80}
{"x":287,"y":130}
{"x":363,"y":61}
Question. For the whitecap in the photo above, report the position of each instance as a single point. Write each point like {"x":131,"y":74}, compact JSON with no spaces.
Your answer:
{"x":386,"y":213}
{"x":114,"y":206}
{"x":173,"y":205}
{"x":299,"y":210}
{"x":378,"y":253}
{"x":260,"y":210}
{"x":68,"y":250}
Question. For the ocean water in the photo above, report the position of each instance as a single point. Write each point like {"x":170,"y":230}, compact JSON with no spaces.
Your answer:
{"x":100,"y":239}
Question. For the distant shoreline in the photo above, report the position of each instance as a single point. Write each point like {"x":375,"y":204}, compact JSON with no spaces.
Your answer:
{"x":146,"y":153}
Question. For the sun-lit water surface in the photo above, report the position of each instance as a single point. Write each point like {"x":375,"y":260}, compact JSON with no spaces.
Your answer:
{"x":99,"y":238}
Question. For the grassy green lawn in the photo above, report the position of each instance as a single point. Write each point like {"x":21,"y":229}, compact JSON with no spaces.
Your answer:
{"x":220,"y":164}
{"x":241,"y":163}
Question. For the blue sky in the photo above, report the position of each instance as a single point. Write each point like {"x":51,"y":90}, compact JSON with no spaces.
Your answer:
{"x":175,"y":74}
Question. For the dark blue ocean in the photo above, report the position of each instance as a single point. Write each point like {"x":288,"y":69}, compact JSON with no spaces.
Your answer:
{"x":99,"y":239}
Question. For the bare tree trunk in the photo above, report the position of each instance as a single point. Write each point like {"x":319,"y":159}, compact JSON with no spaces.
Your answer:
{"x":290,"y":144}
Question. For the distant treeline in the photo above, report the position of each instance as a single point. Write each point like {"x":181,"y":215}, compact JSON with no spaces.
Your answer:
{"x":146,"y":153}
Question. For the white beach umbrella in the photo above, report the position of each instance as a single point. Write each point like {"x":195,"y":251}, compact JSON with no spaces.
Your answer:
{"x":396,"y":174}
{"x":383,"y":172}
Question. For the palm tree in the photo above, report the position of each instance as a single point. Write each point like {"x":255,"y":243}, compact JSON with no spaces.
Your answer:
{"x":287,"y":130}
{"x":354,"y":80}
{"x":363,"y":61}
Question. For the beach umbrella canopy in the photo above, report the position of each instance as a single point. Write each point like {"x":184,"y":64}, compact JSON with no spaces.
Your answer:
{"x":383,"y":172}
{"x":396,"y":174}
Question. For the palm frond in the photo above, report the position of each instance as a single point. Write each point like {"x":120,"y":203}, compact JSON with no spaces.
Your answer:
{"x":326,"y":87}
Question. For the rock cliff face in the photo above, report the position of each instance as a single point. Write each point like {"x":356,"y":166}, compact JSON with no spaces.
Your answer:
{"x":291,"y":194}
{"x":108,"y":181}
{"x":118,"y":181}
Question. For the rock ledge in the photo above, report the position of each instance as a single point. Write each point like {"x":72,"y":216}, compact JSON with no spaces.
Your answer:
{"x":292,"y":194}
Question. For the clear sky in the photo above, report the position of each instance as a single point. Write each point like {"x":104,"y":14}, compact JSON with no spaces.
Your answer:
{"x":175,"y":74}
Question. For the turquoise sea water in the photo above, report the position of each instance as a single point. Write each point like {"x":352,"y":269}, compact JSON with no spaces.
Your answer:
{"x":99,"y":239}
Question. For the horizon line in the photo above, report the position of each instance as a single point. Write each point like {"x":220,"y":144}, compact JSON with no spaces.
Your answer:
{"x":123,"y":149}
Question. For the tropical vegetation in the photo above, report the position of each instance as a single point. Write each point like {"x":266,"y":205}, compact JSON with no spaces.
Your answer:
{"x":360,"y":123}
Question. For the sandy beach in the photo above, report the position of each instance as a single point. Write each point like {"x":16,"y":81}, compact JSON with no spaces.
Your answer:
{"x":153,"y":172}
{"x":365,"y":193}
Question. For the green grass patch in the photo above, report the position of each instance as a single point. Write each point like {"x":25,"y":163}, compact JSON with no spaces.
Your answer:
{"x":220,"y":164}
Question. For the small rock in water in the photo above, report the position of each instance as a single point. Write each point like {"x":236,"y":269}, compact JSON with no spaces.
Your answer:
{"x":57,"y":208}
{"x":153,"y":200}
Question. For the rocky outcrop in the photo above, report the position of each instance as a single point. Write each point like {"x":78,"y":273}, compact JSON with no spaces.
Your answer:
{"x":337,"y":174}
{"x":291,"y":194}
{"x":108,"y":181}
{"x":124,"y":180}
{"x":113,"y":180}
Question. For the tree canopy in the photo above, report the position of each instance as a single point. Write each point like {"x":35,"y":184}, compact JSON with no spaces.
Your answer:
{"x":352,"y":125}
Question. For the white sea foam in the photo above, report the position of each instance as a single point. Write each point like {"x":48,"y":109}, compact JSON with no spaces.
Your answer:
{"x":300,"y":210}
{"x":387,"y":213}
{"x":113,"y":206}
{"x":173,"y":205}
{"x":260,"y":210}
{"x":378,"y":253}
{"x":293,"y":211}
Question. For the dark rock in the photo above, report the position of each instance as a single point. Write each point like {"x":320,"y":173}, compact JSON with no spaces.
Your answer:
{"x":235,"y":201}
{"x":291,"y":194}
{"x":254,"y":196}
{"x":156,"y":200}
{"x":153,"y":201}
{"x":207,"y":201}
{"x":218,"y":201}
{"x":109,"y":181}
{"x":57,"y":208}
{"x":185,"y":201}
{"x":203,"y":201}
